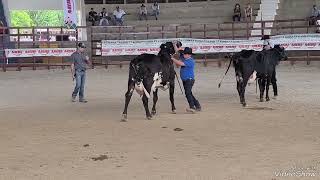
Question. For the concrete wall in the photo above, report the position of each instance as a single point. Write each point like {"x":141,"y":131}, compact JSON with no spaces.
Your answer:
{"x":172,"y":13}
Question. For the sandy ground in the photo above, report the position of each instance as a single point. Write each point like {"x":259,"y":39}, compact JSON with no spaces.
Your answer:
{"x":45,"y":136}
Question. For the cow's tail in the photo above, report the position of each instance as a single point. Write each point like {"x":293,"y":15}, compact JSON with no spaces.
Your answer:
{"x":231,"y":58}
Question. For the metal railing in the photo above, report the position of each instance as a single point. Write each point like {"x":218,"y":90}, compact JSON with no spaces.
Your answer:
{"x":40,"y":37}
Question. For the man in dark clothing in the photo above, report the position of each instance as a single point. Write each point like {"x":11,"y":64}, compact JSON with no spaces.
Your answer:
{"x":187,"y":64}
{"x":93,"y":16}
{"x":78,"y":70}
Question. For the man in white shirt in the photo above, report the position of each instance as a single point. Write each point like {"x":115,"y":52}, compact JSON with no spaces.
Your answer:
{"x":104,"y":17}
{"x":118,"y":15}
{"x":156,"y":10}
{"x":143,"y":12}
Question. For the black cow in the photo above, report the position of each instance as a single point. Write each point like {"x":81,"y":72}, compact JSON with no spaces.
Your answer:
{"x":149,"y":72}
{"x":264,"y":63}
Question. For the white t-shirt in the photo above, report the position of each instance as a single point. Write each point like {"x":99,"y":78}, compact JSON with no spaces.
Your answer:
{"x":119,"y":13}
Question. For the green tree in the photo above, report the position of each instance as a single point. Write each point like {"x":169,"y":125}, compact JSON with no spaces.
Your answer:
{"x":37,"y":18}
{"x":20,"y":19}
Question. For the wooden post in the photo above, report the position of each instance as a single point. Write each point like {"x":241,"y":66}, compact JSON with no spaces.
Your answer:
{"x":232,"y":30}
{"x":134,"y":31}
{"x":219,"y":31}
{"x":48,"y":46}
{"x":247,"y":30}
{"x":33,"y":45}
{"x":148,"y":31}
{"x":308,"y":52}
{"x":177,"y":34}
{"x":162,"y":29}
{"x":190,"y":29}
{"x":204,"y":30}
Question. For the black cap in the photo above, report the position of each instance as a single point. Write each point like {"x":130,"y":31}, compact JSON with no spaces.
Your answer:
{"x":81,"y":45}
{"x":187,"y":50}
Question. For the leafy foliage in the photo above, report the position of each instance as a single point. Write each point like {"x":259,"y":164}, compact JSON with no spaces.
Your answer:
{"x":26,"y":18}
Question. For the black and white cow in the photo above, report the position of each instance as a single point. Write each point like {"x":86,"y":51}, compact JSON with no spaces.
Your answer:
{"x":147,"y":73}
{"x":264,"y":63}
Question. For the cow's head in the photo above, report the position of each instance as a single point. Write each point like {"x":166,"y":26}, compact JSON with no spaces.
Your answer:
{"x":167,"y":49}
{"x":282,"y":55}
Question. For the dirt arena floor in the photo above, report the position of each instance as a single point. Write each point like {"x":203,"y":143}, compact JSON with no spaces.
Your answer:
{"x":45,"y":136}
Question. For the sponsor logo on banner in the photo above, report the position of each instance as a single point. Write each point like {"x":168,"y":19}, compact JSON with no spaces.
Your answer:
{"x":257,"y":46}
{"x":69,"y":51}
{"x":130,"y":50}
{"x":30,"y":52}
{"x":117,"y":51}
{"x":43,"y":51}
{"x":244,"y":46}
{"x":195,"y":48}
{"x":285,"y":45}
{"x":218,"y":48}
{"x":17,"y":53}
{"x":56,"y":52}
{"x":310,"y":45}
{"x":205,"y":48}
{"x":105,"y":51}
{"x":142,"y":50}
{"x":231,"y":47}
{"x":297,"y":45}
{"x":154,"y":49}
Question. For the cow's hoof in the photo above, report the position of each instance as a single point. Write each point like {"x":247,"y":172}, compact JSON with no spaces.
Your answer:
{"x":261,"y":100}
{"x":244,"y":104}
{"x":267,"y":99}
{"x":153,"y":112}
{"x":149,"y":117}
{"x":174,"y":111}
{"x":124,"y":118}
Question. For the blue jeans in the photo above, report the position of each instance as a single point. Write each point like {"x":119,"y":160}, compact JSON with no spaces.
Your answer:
{"x":80,"y":77}
{"x":119,"y":20}
{"x":193,"y":102}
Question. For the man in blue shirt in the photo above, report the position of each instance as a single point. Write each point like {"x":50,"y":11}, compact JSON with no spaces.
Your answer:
{"x":187,"y":64}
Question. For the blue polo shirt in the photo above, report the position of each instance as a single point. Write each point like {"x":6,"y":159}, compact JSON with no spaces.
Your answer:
{"x":187,"y":71}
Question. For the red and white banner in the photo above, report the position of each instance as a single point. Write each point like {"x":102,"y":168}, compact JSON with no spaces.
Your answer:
{"x":202,"y":46}
{"x":39,"y":52}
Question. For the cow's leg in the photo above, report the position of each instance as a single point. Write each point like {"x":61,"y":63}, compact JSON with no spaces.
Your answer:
{"x":267,"y":88}
{"x":262,"y":85}
{"x":243,"y":88}
{"x":239,"y":90}
{"x":274,"y":84}
{"x":171,"y":93}
{"x":146,"y":107}
{"x":127,"y":101}
{"x":155,"y":100}
{"x":239,"y":80}
{"x":145,"y":101}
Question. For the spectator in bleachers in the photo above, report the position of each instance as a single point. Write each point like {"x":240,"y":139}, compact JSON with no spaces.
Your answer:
{"x":93,"y":16}
{"x":143,"y":12}
{"x":314,"y":15}
{"x":248,"y":12}
{"x":237,"y":12}
{"x":156,"y":10}
{"x":104,"y":17}
{"x":118,"y":15}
